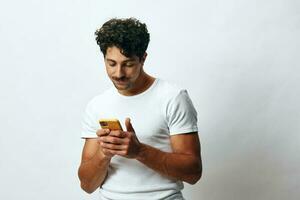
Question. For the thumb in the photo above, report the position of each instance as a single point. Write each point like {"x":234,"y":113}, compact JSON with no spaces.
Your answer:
{"x":128,"y":124}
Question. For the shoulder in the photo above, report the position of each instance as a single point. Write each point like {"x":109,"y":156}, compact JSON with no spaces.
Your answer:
{"x":99,"y":98}
{"x":175,"y":96}
{"x":173,"y":93}
{"x":170,"y":89}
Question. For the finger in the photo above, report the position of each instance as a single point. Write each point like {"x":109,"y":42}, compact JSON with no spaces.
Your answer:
{"x":121,"y":153}
{"x":116,"y":152}
{"x":129,"y":126}
{"x":117,"y":133}
{"x":107,"y":152}
{"x":112,"y":140}
{"x":102,"y":132}
{"x":112,"y":146}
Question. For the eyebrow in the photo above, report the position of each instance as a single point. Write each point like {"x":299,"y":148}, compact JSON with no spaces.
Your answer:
{"x":127,"y":60}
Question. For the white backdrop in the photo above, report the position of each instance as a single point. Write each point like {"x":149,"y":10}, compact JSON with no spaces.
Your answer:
{"x":238,"y":59}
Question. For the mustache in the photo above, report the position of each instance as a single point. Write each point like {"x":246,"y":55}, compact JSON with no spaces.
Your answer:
{"x":120,"y":79}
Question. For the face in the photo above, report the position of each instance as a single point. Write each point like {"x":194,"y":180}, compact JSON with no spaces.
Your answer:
{"x":123,"y":71}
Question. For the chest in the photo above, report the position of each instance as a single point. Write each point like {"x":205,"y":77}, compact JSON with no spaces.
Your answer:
{"x":147,"y":118}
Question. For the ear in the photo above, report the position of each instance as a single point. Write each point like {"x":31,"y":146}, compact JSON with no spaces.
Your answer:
{"x":144,"y":57}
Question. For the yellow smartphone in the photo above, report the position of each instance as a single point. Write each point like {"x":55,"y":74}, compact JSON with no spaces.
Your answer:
{"x":112,"y":124}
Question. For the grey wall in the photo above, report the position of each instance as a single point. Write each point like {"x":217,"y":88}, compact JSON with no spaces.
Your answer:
{"x":239,"y":61}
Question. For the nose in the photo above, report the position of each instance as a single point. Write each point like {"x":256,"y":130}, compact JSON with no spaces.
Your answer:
{"x":119,"y":73}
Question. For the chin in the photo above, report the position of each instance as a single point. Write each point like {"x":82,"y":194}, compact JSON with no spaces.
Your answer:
{"x":121,"y":87}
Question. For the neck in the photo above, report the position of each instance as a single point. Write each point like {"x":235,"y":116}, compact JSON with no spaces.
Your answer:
{"x":141,"y":85}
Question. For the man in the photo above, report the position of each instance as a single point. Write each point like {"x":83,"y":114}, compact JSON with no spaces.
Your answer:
{"x":160,"y":147}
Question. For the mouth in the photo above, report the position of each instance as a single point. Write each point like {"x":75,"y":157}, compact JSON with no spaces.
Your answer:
{"x":121,"y":82}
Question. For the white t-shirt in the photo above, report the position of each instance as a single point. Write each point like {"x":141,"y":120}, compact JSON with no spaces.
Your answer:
{"x":161,"y":111}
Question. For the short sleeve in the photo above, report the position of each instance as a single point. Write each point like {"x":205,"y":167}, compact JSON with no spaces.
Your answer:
{"x":89,"y":124}
{"x":181,"y":114}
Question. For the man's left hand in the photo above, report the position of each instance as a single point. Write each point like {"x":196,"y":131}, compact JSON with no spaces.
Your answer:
{"x":123,"y":143}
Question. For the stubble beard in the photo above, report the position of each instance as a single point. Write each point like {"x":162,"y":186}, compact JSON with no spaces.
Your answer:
{"x":122,"y":87}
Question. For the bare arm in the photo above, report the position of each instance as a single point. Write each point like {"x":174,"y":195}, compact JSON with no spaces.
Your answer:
{"x":184,"y":163}
{"x":93,"y":168}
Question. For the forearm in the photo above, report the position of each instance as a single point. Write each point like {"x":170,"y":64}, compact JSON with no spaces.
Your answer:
{"x":184,"y":167}
{"x":92,"y":172}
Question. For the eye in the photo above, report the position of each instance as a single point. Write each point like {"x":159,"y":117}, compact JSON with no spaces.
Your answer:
{"x":129,"y":64}
{"x":112,"y":64}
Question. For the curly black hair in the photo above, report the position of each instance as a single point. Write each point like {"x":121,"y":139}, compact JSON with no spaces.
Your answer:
{"x":129,"y":35}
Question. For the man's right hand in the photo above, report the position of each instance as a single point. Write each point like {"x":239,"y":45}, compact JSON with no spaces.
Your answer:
{"x":103,"y":133}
